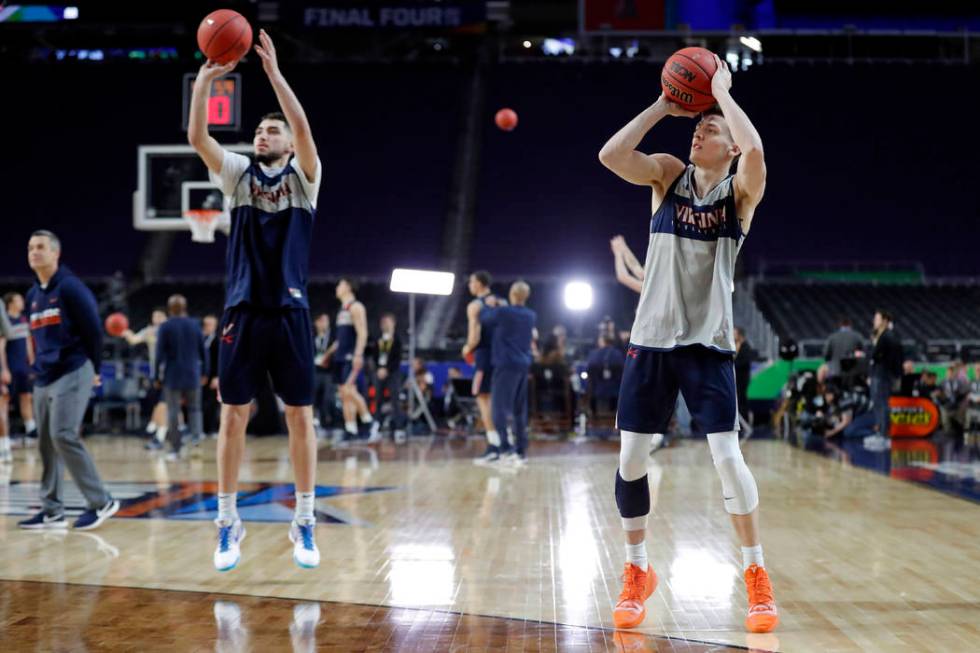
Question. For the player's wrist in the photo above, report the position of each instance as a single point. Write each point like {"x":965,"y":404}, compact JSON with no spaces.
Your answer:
{"x":718,"y":87}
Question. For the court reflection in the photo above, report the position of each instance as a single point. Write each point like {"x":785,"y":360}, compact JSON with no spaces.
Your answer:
{"x":234,"y":635}
{"x":697,"y":575}
{"x":422,"y":574}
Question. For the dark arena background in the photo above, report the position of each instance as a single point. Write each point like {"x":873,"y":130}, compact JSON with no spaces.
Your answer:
{"x":866,"y":457}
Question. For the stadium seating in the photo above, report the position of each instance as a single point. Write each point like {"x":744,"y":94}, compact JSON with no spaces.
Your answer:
{"x":938,"y":318}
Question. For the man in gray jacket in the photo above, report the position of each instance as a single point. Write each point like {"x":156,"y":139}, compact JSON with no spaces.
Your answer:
{"x":840,"y":345}
{"x":67,"y":332}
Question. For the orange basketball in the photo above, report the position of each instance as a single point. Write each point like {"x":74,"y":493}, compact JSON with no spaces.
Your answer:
{"x":506,"y":119}
{"x":224,"y":36}
{"x":686,"y":78}
{"x":116,"y":324}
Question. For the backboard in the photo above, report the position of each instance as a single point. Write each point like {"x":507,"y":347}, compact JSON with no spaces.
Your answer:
{"x":172,"y":179}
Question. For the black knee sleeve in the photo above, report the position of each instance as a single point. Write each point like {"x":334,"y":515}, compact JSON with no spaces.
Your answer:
{"x":632,"y":497}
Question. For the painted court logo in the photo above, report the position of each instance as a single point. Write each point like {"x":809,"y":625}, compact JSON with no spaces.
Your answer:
{"x":193,"y":501}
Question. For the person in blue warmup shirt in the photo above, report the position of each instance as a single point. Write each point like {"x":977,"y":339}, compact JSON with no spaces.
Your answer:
{"x":182,"y":364}
{"x":20,"y":360}
{"x":266,"y":330}
{"x":513,"y":331}
{"x":67,"y":335}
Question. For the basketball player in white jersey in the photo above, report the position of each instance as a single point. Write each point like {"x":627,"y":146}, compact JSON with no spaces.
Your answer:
{"x":683,"y":336}
{"x":266,"y":330}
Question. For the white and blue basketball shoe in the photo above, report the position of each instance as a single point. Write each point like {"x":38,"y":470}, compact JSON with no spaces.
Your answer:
{"x":305,"y":553}
{"x":228,"y":553}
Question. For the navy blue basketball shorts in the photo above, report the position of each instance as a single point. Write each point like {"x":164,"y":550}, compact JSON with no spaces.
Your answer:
{"x":482,"y":372}
{"x":260,"y":343}
{"x":341,"y":372}
{"x":652,"y":379}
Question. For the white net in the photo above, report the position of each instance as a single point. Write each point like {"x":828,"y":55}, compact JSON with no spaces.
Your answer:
{"x":204,"y":222}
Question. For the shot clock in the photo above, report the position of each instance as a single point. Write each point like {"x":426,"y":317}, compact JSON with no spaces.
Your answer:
{"x":224,"y":102}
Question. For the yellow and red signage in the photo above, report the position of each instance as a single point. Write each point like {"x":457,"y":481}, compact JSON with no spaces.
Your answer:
{"x":913,"y":417}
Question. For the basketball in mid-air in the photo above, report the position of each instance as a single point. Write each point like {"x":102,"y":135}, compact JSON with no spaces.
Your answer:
{"x":506,"y":119}
{"x":224,"y":36}
{"x":686,"y":78}
{"x":116,"y":324}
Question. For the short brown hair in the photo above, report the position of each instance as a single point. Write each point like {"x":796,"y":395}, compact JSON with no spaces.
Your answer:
{"x":483,"y":277}
{"x":277,"y":115}
{"x":351,"y":283}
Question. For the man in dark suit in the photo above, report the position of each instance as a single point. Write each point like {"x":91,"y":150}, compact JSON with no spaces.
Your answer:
{"x":324,"y":392}
{"x":181,"y":368}
{"x":210,"y":406}
{"x":387,"y":355}
{"x":886,"y":367}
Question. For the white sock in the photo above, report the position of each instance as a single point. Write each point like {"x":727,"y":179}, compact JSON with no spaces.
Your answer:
{"x":351,"y":427}
{"x":493,"y":438}
{"x":151,"y":428}
{"x":4,"y":443}
{"x":366,"y":418}
{"x":752,"y":555}
{"x":304,"y":506}
{"x":227,"y":507}
{"x":161,"y":433}
{"x":637,"y":555}
{"x":29,"y":425}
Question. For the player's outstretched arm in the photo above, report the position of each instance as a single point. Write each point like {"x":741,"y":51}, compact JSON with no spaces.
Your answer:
{"x":750,"y":178}
{"x":620,"y":155}
{"x":207,"y":148}
{"x":473,"y":327}
{"x":632,"y":264}
{"x":624,"y":274}
{"x":291,"y":108}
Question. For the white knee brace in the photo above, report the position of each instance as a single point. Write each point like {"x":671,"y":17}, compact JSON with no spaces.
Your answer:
{"x":738,"y":486}
{"x":634,"y":452}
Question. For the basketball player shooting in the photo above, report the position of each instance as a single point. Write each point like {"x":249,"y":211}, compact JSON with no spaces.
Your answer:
{"x":682,"y":338}
{"x":479,"y":343}
{"x":266,"y":328}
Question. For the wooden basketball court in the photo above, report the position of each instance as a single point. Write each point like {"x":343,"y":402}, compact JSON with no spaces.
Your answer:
{"x":423,"y":551}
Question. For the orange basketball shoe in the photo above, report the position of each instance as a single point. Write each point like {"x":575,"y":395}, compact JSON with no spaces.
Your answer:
{"x":763,"y":617}
{"x":638,"y":585}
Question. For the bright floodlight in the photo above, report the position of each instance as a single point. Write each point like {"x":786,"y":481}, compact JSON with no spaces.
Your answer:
{"x":578,"y":296}
{"x":422,"y":282}
{"x":751,"y":42}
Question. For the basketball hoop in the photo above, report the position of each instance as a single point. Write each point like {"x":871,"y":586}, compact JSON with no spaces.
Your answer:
{"x":204,"y":222}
